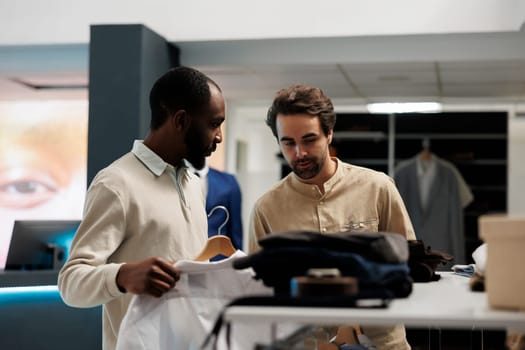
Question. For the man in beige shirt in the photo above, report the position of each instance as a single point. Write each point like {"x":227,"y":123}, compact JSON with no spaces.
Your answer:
{"x":145,"y":210}
{"x":323,"y":193}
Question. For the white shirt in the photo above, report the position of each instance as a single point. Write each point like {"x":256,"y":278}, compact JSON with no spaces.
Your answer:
{"x":202,"y":174}
{"x":426,"y":172}
{"x":182,"y":318}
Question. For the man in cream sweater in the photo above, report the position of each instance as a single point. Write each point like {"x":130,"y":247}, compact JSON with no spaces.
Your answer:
{"x":145,"y":210}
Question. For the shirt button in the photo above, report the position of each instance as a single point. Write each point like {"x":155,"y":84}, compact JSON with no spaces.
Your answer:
{"x":321,"y":203}
{"x":323,"y":229}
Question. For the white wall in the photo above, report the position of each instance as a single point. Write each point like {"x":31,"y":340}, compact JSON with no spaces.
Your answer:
{"x":256,"y":167}
{"x":64,"y":21}
{"x":516,"y":167}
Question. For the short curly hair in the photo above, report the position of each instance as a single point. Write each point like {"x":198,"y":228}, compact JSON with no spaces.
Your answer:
{"x":302,"y":99}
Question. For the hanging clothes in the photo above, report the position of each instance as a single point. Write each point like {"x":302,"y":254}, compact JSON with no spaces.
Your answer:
{"x":222,"y":188}
{"x":435,"y":194}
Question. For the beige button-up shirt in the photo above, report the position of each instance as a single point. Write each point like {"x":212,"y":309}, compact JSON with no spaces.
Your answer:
{"x":354,"y":199}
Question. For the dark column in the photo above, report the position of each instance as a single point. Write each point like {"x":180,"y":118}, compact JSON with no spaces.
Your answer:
{"x":124,"y":62}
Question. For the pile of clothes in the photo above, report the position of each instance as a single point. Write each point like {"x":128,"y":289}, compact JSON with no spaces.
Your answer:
{"x":377,"y":261}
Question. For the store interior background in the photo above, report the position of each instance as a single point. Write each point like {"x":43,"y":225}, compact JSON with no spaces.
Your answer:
{"x":470,"y":56}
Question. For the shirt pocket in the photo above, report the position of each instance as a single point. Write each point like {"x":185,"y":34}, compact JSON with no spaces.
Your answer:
{"x":367,"y":225}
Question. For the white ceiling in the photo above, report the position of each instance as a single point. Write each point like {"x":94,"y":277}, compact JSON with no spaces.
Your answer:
{"x":502,"y":81}
{"x":486,"y":67}
{"x":482,"y":67}
{"x":494,"y":80}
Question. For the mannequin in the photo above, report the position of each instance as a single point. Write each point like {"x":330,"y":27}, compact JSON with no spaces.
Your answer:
{"x":222,"y":189}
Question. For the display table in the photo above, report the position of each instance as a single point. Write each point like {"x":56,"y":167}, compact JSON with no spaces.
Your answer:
{"x":447,"y":303}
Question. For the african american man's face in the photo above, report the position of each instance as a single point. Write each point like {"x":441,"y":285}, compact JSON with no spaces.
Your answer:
{"x":204,"y":132}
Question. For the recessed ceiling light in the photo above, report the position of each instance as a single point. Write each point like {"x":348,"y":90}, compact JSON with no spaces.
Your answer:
{"x":404,"y":107}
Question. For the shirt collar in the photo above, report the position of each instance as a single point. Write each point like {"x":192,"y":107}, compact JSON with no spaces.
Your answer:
{"x":150,"y":159}
{"x":425,"y":166}
{"x":202,"y":173}
{"x":337,"y":175}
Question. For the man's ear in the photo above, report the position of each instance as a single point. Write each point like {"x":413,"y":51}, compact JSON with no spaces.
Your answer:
{"x":181,"y":120}
{"x":330,"y":136}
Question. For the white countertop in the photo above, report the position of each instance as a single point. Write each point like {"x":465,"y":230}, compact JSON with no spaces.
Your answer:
{"x":447,"y":303}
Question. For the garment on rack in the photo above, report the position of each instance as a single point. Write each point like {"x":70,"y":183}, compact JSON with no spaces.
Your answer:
{"x":181,"y":318}
{"x":222,"y":189}
{"x":435,"y":206}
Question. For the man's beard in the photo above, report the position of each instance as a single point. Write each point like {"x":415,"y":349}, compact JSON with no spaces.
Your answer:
{"x":313,"y":168}
{"x":197,"y":150}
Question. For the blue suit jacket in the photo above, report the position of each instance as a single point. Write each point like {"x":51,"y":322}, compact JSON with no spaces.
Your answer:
{"x":223,"y":189}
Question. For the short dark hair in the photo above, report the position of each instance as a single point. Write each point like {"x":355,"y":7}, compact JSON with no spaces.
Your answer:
{"x":302,"y":99}
{"x":180,"y":88}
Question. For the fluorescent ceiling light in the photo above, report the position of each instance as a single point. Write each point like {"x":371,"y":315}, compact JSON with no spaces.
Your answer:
{"x":409,"y":107}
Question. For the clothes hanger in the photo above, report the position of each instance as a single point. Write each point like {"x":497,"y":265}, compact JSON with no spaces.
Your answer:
{"x":219,"y":244}
{"x":425,"y":154}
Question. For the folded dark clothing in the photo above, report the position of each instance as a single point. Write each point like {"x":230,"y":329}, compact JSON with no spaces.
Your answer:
{"x":424,"y":261}
{"x":276,"y":267}
{"x":395,"y":285}
{"x":418,"y":250}
{"x":376,"y":246}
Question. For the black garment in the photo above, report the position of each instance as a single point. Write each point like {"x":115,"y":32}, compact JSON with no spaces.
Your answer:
{"x":375,"y":246}
{"x":277,"y":266}
{"x":424,"y":261}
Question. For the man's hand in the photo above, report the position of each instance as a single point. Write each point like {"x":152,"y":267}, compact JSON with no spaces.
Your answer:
{"x":153,"y":276}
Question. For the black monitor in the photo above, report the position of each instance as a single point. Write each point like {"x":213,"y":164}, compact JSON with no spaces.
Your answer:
{"x":40,"y":244}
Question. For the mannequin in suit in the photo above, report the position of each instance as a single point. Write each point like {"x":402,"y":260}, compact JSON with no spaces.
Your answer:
{"x":222,"y":188}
